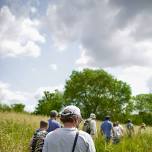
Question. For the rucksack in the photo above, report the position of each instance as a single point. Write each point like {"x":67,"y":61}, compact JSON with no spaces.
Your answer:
{"x":86,"y":126}
{"x":129,"y":126}
{"x":38,"y":141}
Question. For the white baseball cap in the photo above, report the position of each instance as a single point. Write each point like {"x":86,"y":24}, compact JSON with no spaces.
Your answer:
{"x":71,"y":110}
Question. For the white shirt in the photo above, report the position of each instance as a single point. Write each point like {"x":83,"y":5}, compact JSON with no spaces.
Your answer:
{"x":117,"y":132}
{"x":62,"y":139}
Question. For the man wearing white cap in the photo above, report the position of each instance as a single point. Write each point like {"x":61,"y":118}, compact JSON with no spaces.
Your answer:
{"x":68,"y":138}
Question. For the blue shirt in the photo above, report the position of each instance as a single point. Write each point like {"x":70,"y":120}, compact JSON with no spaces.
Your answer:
{"x":53,"y":124}
{"x":106,"y":127}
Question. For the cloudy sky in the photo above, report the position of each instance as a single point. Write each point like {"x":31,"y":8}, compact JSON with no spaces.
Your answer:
{"x":41,"y":42}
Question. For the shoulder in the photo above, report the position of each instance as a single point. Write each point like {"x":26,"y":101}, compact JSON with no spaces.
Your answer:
{"x":85,"y":136}
{"x":86,"y":139}
{"x":53,"y":133}
{"x":109,"y":122}
{"x":55,"y":122}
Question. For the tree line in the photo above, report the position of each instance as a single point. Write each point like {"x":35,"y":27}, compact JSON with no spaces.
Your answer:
{"x":17,"y":107}
{"x":96,"y":91}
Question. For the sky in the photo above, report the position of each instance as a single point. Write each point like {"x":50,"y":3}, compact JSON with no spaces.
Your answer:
{"x":41,"y":42}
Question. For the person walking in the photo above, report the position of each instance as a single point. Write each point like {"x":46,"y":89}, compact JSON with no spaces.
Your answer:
{"x":90,"y":125}
{"x":116,"y":133}
{"x":68,"y":138}
{"x":52,"y":122}
{"x":130,"y":128}
{"x":106,"y":129}
{"x":142,"y":128}
{"x":36,"y":144}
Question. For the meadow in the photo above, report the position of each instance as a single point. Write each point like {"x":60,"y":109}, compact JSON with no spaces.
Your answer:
{"x":16,"y":131}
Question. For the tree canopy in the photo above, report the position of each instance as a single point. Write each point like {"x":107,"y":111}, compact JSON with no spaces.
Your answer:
{"x":50,"y":101}
{"x":98,"y":92}
{"x":18,"y":107}
{"x":143,"y":102}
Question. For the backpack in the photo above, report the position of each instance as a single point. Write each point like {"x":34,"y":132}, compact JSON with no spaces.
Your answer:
{"x":86,"y":126}
{"x":38,"y":141}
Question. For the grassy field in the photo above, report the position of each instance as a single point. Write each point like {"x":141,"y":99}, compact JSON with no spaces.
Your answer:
{"x":17,"y":129}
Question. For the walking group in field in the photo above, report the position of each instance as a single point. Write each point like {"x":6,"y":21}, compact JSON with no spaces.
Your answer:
{"x":54,"y":137}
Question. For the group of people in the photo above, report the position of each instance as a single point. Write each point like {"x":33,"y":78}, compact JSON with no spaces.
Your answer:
{"x":110,"y":131}
{"x":52,"y":136}
{"x":66,"y":138}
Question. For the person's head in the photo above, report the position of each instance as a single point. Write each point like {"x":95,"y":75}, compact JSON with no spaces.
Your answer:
{"x":53,"y":114}
{"x":129,"y":121}
{"x":71,"y":115}
{"x":143,"y":125}
{"x":92,"y":116}
{"x":43,"y":124}
{"x":107,"y":118}
{"x":115,"y":124}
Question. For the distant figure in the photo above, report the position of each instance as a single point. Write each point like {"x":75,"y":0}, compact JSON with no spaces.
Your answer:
{"x":129,"y":128}
{"x":52,"y":122}
{"x":68,"y":138}
{"x":37,"y":141}
{"x":90,"y":125}
{"x":117,"y":133}
{"x":142,"y":128}
{"x":106,"y":129}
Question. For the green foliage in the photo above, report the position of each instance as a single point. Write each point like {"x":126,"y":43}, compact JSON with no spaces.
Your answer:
{"x":49,"y":101}
{"x":14,"y":136}
{"x":143,"y":105}
{"x":4,"y":107}
{"x":98,"y":92}
{"x":143,"y":102}
{"x":138,"y":143}
{"x":18,"y":107}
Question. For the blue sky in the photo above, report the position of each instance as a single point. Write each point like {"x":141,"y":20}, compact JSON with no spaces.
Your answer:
{"x":43,"y":41}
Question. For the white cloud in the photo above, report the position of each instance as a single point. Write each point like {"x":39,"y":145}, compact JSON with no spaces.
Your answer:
{"x":84,"y":59}
{"x":53,"y":67}
{"x":19,"y":36}
{"x":40,"y":91}
{"x":9,"y":97}
{"x":135,"y":76}
{"x":100,"y":28}
{"x":149,"y":84}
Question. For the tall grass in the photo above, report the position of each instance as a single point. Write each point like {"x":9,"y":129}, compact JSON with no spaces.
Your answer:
{"x":16,"y":131}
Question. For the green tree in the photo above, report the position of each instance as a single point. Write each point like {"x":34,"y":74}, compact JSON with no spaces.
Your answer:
{"x":18,"y":107}
{"x":98,"y":92}
{"x":50,"y":101}
{"x":4,"y":107}
{"x":143,"y":102}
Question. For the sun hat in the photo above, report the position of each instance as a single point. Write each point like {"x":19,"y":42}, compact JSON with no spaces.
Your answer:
{"x":93,"y":116}
{"x":53,"y":113}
